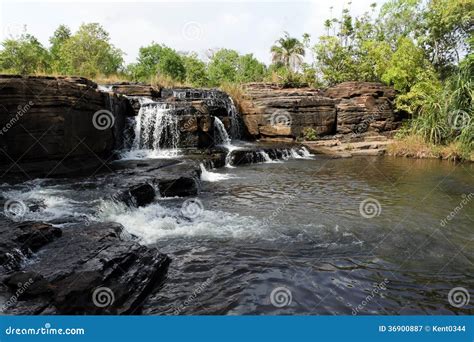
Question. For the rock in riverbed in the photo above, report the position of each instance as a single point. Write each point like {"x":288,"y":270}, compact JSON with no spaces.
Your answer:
{"x":97,"y":269}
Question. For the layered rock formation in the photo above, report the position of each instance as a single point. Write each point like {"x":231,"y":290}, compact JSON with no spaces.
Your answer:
{"x":195,"y":109}
{"x":96,"y":269}
{"x":270,"y":111}
{"x":58,"y":118}
{"x":364,"y":106}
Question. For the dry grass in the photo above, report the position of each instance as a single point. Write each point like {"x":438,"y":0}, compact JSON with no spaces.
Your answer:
{"x":413,"y":146}
{"x":236,"y":92}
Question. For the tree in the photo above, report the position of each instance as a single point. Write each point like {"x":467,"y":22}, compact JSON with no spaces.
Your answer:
{"x":446,"y":29}
{"x":223,"y":66}
{"x":196,"y":73}
{"x":158,"y":60}
{"x":60,"y":36}
{"x":289,"y":51}
{"x":24,"y":55}
{"x":249,"y":69}
{"x":89,"y":52}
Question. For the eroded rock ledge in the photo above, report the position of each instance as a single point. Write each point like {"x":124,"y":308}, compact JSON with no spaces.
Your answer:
{"x":96,"y":269}
{"x":273,"y":112}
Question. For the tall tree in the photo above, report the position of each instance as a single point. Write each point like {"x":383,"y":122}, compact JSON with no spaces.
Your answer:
{"x":24,"y":55}
{"x":288,"y":51}
{"x":89,"y":52}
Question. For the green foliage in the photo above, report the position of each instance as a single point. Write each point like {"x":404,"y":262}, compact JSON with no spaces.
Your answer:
{"x":249,"y":69}
{"x":60,"y":36}
{"x":89,"y":52}
{"x":158,"y":60}
{"x":196,"y":73}
{"x":223,"y":66}
{"x":310,"y":134}
{"x":227,"y":66}
{"x":288,"y":51}
{"x":24,"y":55}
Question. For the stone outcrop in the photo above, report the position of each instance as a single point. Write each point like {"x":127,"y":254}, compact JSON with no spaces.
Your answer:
{"x":96,"y":269}
{"x":58,"y":118}
{"x":195,"y":109}
{"x":364,"y":106}
{"x":270,"y":111}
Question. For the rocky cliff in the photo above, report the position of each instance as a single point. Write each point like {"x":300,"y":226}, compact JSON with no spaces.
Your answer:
{"x":57,"y":118}
{"x":270,"y":111}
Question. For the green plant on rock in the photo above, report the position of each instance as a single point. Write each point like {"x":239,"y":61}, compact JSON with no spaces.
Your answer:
{"x":310,"y":134}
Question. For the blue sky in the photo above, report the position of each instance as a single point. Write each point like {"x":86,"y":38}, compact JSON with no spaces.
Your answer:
{"x":249,"y":27}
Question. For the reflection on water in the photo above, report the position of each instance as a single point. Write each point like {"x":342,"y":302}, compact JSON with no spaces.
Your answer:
{"x":311,"y":239}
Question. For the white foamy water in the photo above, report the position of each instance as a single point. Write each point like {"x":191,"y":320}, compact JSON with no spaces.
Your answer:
{"x":219,"y":127}
{"x":208,"y":176}
{"x":155,"y":222}
{"x":50,"y":203}
{"x":151,"y":154}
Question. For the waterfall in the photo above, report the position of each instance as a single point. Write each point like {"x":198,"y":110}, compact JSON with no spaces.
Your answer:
{"x":235,"y":125}
{"x":219,"y":128}
{"x":156,"y":127}
{"x":156,"y":131}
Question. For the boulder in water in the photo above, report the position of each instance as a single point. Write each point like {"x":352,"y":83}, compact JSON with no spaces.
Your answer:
{"x":94,"y":269}
{"x":137,"y":196}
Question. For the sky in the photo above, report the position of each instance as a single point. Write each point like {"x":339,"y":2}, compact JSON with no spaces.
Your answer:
{"x":246,"y":26}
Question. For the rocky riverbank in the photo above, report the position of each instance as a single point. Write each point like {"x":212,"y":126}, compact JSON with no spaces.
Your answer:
{"x":73,"y":130}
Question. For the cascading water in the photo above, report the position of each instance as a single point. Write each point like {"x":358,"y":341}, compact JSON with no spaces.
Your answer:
{"x":156,"y":131}
{"x":222,"y":135}
{"x":235,"y":124}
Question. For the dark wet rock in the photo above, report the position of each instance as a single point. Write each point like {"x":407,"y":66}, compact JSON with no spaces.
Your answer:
{"x":19,"y":240}
{"x":95,"y":269}
{"x":45,"y":121}
{"x":180,"y":187}
{"x":137,"y":196}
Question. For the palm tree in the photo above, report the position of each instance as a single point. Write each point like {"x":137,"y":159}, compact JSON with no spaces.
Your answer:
{"x":289,"y":51}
